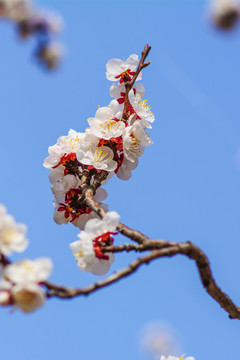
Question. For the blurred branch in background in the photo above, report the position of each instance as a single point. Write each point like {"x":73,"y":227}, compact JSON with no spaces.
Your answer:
{"x":224,"y":14}
{"x":41,"y":25}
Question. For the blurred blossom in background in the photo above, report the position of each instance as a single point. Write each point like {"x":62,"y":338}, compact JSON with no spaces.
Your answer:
{"x":157,"y":338}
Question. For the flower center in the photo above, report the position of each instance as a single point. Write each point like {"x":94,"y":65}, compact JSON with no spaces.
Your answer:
{"x":101,"y":155}
{"x":100,"y":241}
{"x":72,"y":143}
{"x":7,"y":236}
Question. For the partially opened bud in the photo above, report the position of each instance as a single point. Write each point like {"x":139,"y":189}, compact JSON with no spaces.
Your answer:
{"x":225,"y":13}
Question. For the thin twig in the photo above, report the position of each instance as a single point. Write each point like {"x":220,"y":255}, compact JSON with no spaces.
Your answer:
{"x":129,"y":84}
{"x":123,"y":229}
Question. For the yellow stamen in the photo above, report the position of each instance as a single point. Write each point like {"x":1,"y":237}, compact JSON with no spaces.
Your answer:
{"x":7,"y":236}
{"x":79,"y":254}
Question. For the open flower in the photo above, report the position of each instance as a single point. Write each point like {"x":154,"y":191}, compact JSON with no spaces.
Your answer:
{"x":64,"y":150}
{"x":88,"y":250}
{"x":118,"y":91}
{"x":122,"y":70}
{"x":21,"y":282}
{"x":100,"y":157}
{"x":62,"y":183}
{"x":12,"y":234}
{"x":28,"y":271}
{"x":134,"y":141}
{"x":140,"y":107}
{"x":106,"y":123}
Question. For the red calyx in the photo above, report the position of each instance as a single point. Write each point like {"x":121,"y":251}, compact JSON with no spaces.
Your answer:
{"x":104,"y":239}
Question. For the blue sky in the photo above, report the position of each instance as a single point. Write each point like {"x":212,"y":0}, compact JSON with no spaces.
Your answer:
{"x":186,"y":187}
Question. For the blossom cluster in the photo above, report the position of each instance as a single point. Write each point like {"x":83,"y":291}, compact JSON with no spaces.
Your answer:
{"x":112,"y":144}
{"x":41,"y":25}
{"x":20,"y":281}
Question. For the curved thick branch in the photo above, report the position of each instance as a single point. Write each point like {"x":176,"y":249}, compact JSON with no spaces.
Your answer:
{"x":159,"y":249}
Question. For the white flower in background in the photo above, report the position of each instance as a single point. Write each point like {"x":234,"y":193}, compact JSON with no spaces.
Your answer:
{"x":87,"y":250}
{"x":28,"y":297}
{"x":225,"y":13}
{"x":125,"y":170}
{"x":141,"y":108}
{"x":16,"y":10}
{"x":118,"y":91}
{"x":106,"y":123}
{"x":20,"y":285}
{"x":159,"y":339}
{"x":28,"y":271}
{"x":120,"y":70}
{"x":66,"y":145}
{"x":134,"y":141}
{"x":170,"y":357}
{"x":12,"y":234}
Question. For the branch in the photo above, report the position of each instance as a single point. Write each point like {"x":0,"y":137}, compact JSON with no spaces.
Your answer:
{"x":129,"y":84}
{"x":123,"y":229}
{"x":170,"y":249}
{"x":4,"y":260}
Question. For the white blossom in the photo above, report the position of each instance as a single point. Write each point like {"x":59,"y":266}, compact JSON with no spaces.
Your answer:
{"x":65,"y":145}
{"x":125,"y":170}
{"x":28,"y":297}
{"x":134,"y":141}
{"x":141,"y":107}
{"x":100,"y":157}
{"x":20,"y":285}
{"x":118,"y":91}
{"x":87,"y":250}
{"x":28,"y":271}
{"x":106,"y":123}
{"x":117,"y":68}
{"x":62,"y":183}
{"x":12,"y":234}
